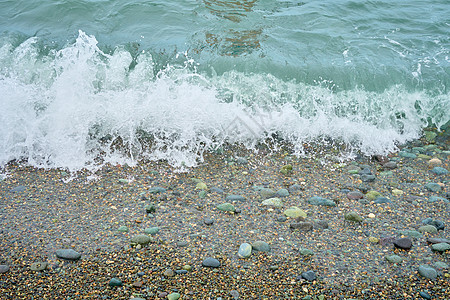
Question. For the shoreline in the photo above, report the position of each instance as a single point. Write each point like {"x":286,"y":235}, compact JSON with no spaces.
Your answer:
{"x":42,"y":211}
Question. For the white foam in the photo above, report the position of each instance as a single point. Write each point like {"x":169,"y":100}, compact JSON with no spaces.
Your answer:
{"x":68,"y":108}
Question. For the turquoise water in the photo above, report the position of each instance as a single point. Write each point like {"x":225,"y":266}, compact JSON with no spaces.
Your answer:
{"x":83,"y":82}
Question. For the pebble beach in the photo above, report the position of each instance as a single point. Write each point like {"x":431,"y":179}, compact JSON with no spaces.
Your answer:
{"x":242,"y":225}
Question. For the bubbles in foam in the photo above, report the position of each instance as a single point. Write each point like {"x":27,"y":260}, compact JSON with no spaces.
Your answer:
{"x":79,"y":107}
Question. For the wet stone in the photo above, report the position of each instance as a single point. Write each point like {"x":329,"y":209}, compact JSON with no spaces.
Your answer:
{"x":141,"y":239}
{"x":353,"y":216}
{"x":294,"y":212}
{"x":266,"y":193}
{"x":39,"y":266}
{"x":303,"y":226}
{"x":282,"y":193}
{"x":208,"y":221}
{"x":245,"y":250}
{"x":424,"y":295}
{"x":439,"y":171}
{"x":115,"y":282}
{"x":232,"y":198}
{"x":151,"y":230}
{"x":434,"y":199}
{"x":390,"y":165}
{"x":403,"y":243}
{"x":395,"y":259}
{"x":210,"y":262}
{"x":368,"y":178}
{"x":433,"y":187}
{"x":226,"y":207}
{"x":261,"y":246}
{"x":68,"y":254}
{"x":355,"y":195}
{"x":427,"y":272}
{"x":427,"y":228}
{"x":440,"y":247}
{"x":438,"y":240}
{"x":4,"y":269}
{"x":382,"y":200}
{"x":216,"y":190}
{"x":309,"y":275}
{"x":316,"y":200}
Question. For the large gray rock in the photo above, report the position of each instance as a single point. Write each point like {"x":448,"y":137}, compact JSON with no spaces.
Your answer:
{"x":427,"y":272}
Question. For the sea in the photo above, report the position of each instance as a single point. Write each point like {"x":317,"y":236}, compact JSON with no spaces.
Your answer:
{"x":84,"y":83}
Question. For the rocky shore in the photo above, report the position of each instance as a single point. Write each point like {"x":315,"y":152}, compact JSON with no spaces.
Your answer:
{"x":243,"y":225}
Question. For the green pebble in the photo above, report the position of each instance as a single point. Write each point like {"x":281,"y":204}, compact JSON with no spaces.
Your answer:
{"x":201,"y":186}
{"x":173,"y":296}
{"x":372,"y":195}
{"x":123,"y":228}
{"x":202,"y":194}
{"x":226,"y":207}
{"x":354,"y":217}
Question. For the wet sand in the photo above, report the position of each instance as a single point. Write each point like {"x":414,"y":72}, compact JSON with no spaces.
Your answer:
{"x":46,"y":210}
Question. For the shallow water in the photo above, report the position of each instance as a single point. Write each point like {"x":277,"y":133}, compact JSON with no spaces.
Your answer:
{"x":83,"y":82}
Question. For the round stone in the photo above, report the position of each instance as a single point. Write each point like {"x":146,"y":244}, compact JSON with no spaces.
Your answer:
{"x":151,"y":230}
{"x":439,"y":171}
{"x":282,"y":193}
{"x":355,"y":195}
{"x":115,"y":282}
{"x":395,"y":259}
{"x":68,"y":254}
{"x":425,"y":295}
{"x":141,"y":239}
{"x":4,"y":269}
{"x":261,"y":246}
{"x":353,"y":216}
{"x":123,"y":228}
{"x":208,"y":221}
{"x":226,"y":207}
{"x":210,"y":262}
{"x":309,"y":275}
{"x":266,"y":193}
{"x":294,"y":212}
{"x":173,"y":296}
{"x":372,"y":195}
{"x":276,"y":202}
{"x":316,"y":200}
{"x":245,"y":250}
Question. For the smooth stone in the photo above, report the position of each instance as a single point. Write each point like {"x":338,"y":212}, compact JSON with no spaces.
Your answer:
{"x":430,"y":136}
{"x":439,"y":171}
{"x":382,"y":200}
{"x":150,"y":208}
{"x":309,"y":275}
{"x":397,"y":192}
{"x":372,"y":195}
{"x":276,"y":202}
{"x":428,"y":228}
{"x":151,"y":230}
{"x":433,"y":187}
{"x":303,"y":226}
{"x":122,"y":228}
{"x":18,"y":189}
{"x":433,"y":199}
{"x":187,"y":267}
{"x":406,"y":154}
{"x":261,"y":246}
{"x":295,"y":188}
{"x":438,"y":240}
{"x":4,"y":269}
{"x":411,"y":233}
{"x":438,"y":224}
{"x":210,"y":262}
{"x":403,"y":243}
{"x":216,"y":190}
{"x":425,"y":295}
{"x":169,"y":273}
{"x":201,"y":186}
{"x":39,"y":266}
{"x":245,"y":250}
{"x":208,"y":221}
{"x":226,"y":207}
{"x":440,"y":247}
{"x":390,"y":165}
{"x":440,"y":265}
{"x":373,"y":239}
{"x":173,"y":296}
{"x":365,"y":171}
{"x":182,"y":244}
{"x":316,"y":200}
{"x":395,"y":259}
{"x":423,"y":156}
{"x":156,"y":190}
{"x":141,"y":239}
{"x":306,"y":252}
{"x":355,"y":195}
{"x":202,"y":194}
{"x":294,"y":212}
{"x":353,"y":216}
{"x":427,"y":272}
{"x":287,"y":169}
{"x":434,"y":162}
{"x":281,"y":219}
{"x":282,"y":193}
{"x":68,"y":254}
{"x":235,"y":198}
{"x":368,"y":178}
{"x":322,"y":223}
{"x":266,"y":193}
{"x":115,"y":282}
